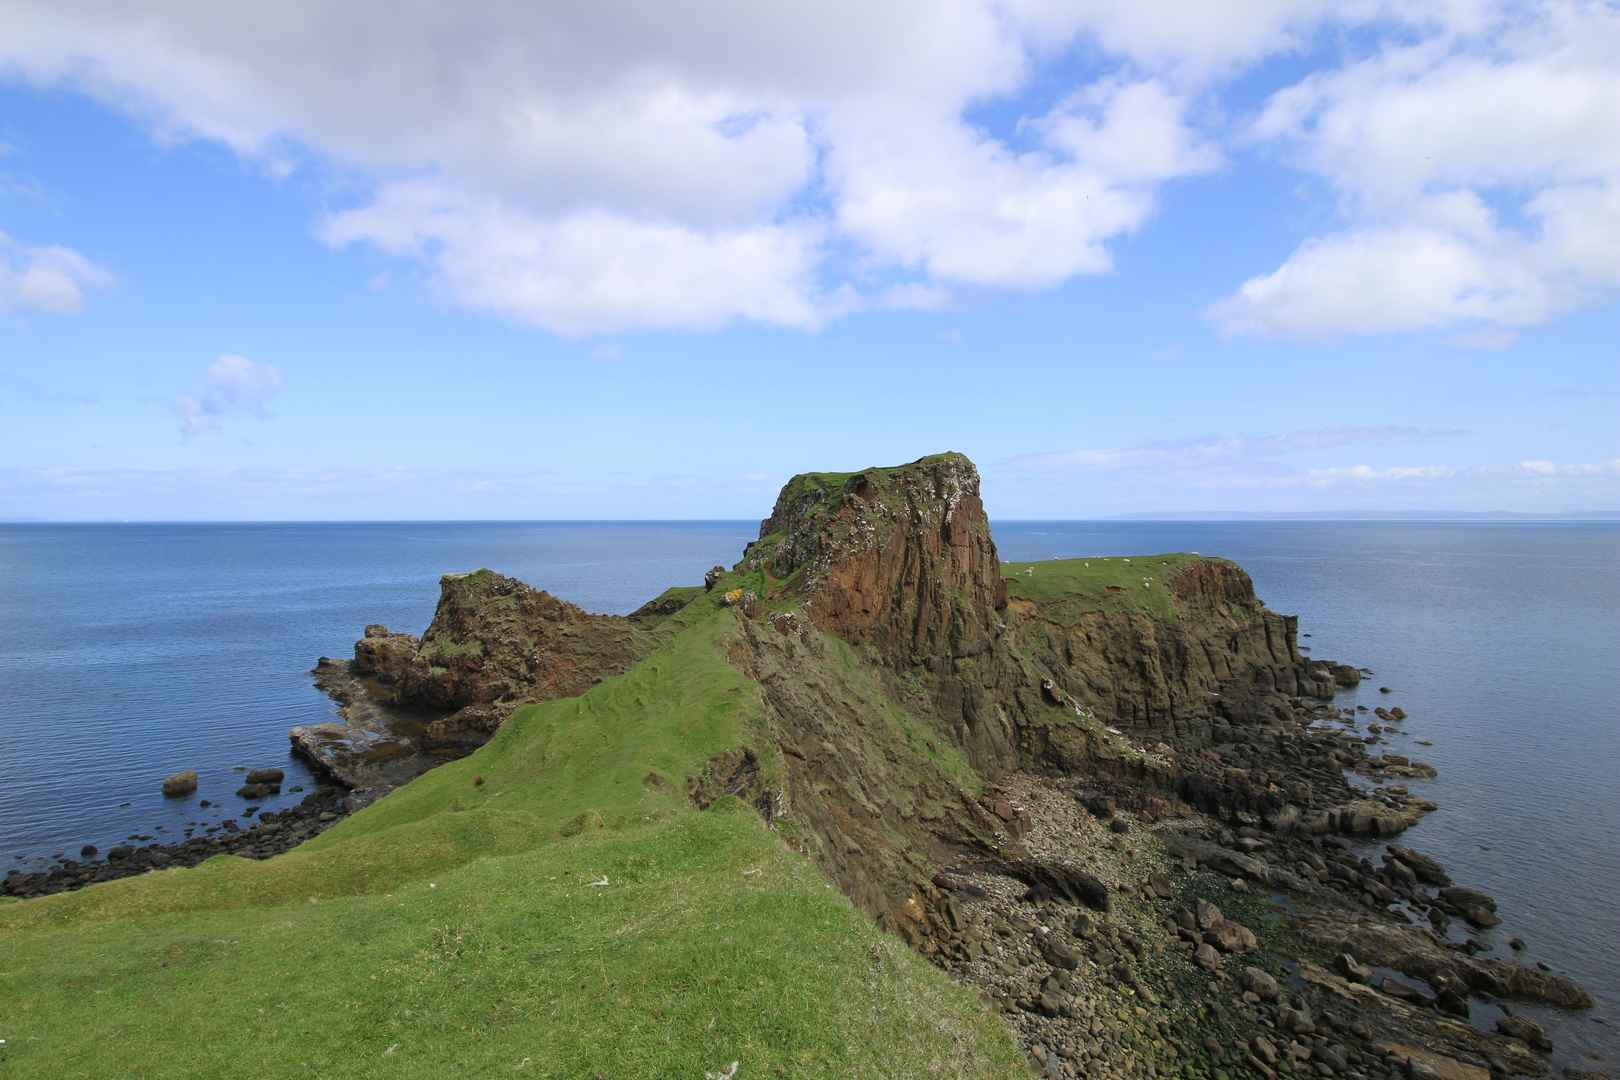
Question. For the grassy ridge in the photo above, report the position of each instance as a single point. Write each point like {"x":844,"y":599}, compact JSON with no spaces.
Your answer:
{"x":456,"y":927}
{"x":1066,"y":588}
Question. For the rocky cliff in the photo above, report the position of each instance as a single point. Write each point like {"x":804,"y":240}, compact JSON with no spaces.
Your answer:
{"x":495,"y":642}
{"x":1138,"y":669}
{"x":898,"y":558}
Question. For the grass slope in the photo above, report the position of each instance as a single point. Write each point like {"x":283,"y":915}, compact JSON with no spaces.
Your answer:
{"x":1070,"y":587}
{"x":550,"y":906}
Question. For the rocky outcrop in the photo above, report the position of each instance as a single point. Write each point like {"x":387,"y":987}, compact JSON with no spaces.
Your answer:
{"x":1420,"y":955}
{"x":495,"y":639}
{"x":1219,"y":653}
{"x":495,"y":643}
{"x":898,"y":558}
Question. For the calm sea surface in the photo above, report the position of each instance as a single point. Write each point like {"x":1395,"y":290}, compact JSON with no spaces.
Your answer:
{"x":131,"y":651}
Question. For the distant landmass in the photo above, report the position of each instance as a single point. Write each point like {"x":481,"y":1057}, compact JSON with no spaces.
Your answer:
{"x":1366,"y":515}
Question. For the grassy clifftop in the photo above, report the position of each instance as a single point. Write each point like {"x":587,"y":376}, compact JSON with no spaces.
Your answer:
{"x":553,"y":905}
{"x":1068,"y":587}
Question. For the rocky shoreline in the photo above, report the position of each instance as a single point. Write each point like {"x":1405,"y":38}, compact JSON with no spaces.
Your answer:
{"x":270,"y":833}
{"x":1202,"y":947}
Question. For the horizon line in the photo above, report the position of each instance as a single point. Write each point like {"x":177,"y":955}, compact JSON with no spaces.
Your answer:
{"x":1151,"y":517}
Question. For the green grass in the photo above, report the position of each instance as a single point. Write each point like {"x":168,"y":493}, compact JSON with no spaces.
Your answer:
{"x":679,"y":595}
{"x":1067,"y":588}
{"x":828,"y":484}
{"x":453,"y":929}
{"x":897,"y":735}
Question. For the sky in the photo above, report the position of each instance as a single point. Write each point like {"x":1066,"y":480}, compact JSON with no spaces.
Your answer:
{"x":631,"y":260}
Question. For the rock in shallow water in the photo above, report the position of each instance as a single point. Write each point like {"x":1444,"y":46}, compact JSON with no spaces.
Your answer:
{"x":179,"y":785}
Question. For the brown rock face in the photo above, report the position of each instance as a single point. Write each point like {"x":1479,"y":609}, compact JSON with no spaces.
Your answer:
{"x":898,"y":558}
{"x":1224,"y":654}
{"x":495,"y":639}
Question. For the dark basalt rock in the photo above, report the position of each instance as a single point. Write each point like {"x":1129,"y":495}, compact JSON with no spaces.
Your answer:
{"x":274,"y":833}
{"x":1061,"y":883}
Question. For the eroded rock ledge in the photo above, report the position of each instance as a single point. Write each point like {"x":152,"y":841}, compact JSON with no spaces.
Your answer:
{"x":495,"y":643}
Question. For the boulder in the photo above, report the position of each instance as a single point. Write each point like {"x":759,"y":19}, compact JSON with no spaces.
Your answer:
{"x":1403,"y":992}
{"x":1065,"y":884}
{"x":1463,"y":900}
{"x":1259,"y":983}
{"x":1526,"y":1031}
{"x":180,"y":784}
{"x":1353,"y":969}
{"x":1295,"y":1021}
{"x":1346,"y":676}
{"x":1059,"y":954}
{"x":1427,"y":870}
{"x":1231,"y":937}
{"x":265,"y":776}
{"x":253,"y":792}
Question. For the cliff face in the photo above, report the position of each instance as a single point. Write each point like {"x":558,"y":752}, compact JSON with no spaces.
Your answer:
{"x":901,"y":560}
{"x":1215,"y":652}
{"x":1110,"y":669}
{"x":898,"y":558}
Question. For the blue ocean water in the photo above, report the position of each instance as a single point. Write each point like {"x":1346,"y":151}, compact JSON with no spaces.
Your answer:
{"x":131,"y":651}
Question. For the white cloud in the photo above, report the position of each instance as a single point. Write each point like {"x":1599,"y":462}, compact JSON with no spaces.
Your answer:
{"x":1408,"y":277}
{"x":619,"y":166}
{"x":592,"y":271}
{"x":920,"y":189}
{"x":594,"y":168}
{"x":1553,"y":470}
{"x":232,"y":385}
{"x":1478,"y":175}
{"x":52,"y":279}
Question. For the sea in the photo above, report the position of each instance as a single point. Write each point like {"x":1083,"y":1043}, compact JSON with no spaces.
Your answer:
{"x":128,"y":652}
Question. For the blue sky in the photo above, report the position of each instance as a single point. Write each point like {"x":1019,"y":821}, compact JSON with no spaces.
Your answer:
{"x":537,"y":265}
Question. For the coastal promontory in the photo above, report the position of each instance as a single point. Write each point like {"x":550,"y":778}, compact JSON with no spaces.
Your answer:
{"x":868,"y":802}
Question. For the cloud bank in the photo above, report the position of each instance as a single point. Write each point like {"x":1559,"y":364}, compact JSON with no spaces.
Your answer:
{"x":620,"y":166}
{"x":1477,"y":174}
{"x":1260,"y":461}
